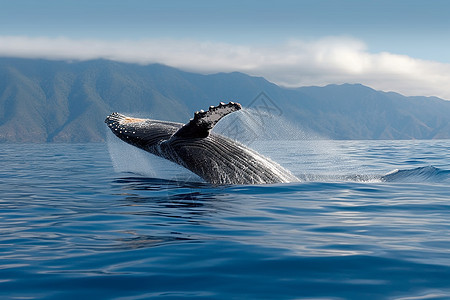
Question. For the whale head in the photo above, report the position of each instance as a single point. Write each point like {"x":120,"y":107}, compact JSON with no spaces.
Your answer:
{"x":142,"y":133}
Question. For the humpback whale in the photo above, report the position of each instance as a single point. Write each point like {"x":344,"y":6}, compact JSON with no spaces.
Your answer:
{"x":213,"y":157}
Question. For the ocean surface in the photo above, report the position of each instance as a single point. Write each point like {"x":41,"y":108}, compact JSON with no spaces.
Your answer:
{"x":367,"y":220}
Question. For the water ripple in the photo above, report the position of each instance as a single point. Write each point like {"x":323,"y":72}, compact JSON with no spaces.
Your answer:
{"x":73,"y":228}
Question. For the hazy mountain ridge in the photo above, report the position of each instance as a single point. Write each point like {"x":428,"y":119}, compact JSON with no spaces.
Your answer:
{"x":55,"y":101}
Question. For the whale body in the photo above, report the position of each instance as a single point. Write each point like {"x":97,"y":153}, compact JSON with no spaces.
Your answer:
{"x":213,"y":157}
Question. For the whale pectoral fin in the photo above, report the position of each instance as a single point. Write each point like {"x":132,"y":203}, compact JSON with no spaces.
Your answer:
{"x":204,"y":121}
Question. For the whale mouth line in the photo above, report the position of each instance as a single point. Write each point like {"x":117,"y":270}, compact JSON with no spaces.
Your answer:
{"x":128,"y":120}
{"x":122,"y":119}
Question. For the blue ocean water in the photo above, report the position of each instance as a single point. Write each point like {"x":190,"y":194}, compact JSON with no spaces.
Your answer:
{"x":368,"y":220}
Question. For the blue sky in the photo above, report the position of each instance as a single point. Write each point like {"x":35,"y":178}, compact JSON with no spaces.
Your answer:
{"x":414,"y":31}
{"x":416,"y":28}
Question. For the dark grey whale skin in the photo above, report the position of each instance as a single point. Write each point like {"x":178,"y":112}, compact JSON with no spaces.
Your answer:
{"x":215,"y":158}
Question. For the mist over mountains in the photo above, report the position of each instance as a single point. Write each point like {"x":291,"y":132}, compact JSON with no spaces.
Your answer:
{"x":56,"y":101}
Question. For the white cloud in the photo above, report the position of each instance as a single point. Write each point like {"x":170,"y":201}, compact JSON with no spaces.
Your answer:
{"x":294,"y":63}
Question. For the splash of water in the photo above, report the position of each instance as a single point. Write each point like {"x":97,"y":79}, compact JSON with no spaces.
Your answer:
{"x":128,"y":159}
{"x":249,"y":125}
{"x":267,"y":134}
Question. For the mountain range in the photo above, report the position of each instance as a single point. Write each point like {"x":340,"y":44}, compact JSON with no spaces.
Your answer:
{"x":62,"y":101}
